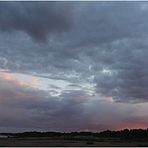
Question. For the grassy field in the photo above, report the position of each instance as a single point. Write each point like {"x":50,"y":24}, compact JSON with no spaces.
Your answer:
{"x":48,"y":141}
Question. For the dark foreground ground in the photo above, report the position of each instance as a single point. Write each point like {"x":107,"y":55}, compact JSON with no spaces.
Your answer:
{"x":56,"y":141}
{"x":126,"y":137}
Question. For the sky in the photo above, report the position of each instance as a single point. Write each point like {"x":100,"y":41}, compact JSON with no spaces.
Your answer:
{"x":73,"y":66}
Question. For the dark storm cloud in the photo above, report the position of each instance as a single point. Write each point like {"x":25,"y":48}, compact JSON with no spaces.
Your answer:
{"x":38,"y":19}
{"x":127,"y":78}
{"x":106,"y":43}
{"x":103,"y":22}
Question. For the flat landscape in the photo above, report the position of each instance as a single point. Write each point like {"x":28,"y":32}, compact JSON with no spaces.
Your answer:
{"x":48,"y":141}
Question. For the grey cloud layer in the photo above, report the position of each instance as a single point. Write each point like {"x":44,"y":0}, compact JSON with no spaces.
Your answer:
{"x":94,"y":36}
{"x":36,"y":19}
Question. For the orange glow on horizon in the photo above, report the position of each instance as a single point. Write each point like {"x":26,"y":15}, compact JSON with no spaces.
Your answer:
{"x":132,"y":126}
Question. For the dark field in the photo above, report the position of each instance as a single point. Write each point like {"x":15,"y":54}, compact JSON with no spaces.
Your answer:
{"x":56,"y":141}
{"x":133,"y":137}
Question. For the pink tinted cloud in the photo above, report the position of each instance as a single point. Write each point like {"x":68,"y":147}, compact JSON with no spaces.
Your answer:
{"x":8,"y":77}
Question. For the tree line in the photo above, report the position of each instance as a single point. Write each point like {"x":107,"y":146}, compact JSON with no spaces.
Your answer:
{"x":126,"y":133}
